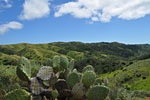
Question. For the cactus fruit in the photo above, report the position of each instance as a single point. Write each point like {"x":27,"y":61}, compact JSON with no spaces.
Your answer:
{"x":18,"y":94}
{"x":97,"y":92}
{"x":64,"y":62}
{"x":45,"y":73}
{"x":79,"y":91}
{"x":72,"y":79}
{"x":23,"y":70}
{"x":35,"y":87}
{"x":88,"y":78}
{"x":56,"y":61}
{"x":88,"y":68}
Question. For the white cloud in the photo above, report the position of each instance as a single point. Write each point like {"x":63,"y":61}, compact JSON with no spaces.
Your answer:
{"x":6,"y":1}
{"x":11,"y":25}
{"x":33,"y":9}
{"x":5,"y":4}
{"x":104,"y":10}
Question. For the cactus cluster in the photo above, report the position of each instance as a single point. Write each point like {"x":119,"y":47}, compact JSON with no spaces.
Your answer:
{"x":60,"y":80}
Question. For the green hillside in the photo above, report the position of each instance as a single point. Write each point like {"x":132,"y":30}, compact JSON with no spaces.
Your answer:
{"x":106,"y":57}
{"x":135,"y":76}
{"x":124,"y":65}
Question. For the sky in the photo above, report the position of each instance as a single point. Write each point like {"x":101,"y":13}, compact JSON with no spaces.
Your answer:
{"x":45,"y":21}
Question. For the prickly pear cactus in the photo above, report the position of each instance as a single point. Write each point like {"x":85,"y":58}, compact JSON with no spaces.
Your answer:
{"x":64,"y":62}
{"x":71,"y":64}
{"x":97,"y":92}
{"x":88,"y":78}
{"x":24,"y":69}
{"x":62,"y":75}
{"x":19,"y":94}
{"x":49,"y":62}
{"x":45,"y":73}
{"x":54,"y":94}
{"x":79,"y":91}
{"x":35,"y":86}
{"x":53,"y":80}
{"x":36,"y":97}
{"x":56,"y":61}
{"x":61,"y":86}
{"x":88,"y":68}
{"x":67,"y":72}
{"x":72,"y":79}
{"x":98,"y":81}
{"x":106,"y":82}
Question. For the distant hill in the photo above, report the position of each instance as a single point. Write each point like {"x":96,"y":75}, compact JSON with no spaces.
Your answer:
{"x":105,"y":57}
{"x":135,"y":77}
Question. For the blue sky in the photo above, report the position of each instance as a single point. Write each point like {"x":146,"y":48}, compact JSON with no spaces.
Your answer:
{"x":23,"y":21}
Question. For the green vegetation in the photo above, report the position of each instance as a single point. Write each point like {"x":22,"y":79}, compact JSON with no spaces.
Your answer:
{"x":124,"y":69}
{"x":39,"y":87}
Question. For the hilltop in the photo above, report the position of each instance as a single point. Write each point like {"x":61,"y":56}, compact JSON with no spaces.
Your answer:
{"x":105,"y":57}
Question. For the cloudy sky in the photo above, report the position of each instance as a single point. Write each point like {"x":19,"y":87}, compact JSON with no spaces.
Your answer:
{"x":44,"y":21}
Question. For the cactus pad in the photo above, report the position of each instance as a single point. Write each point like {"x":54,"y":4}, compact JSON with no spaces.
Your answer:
{"x":97,"y":92}
{"x":18,"y":94}
{"x":61,"y":85}
{"x":35,"y":86}
{"x":71,"y":64}
{"x":88,"y":68}
{"x":88,"y":78}
{"x":64,"y":62}
{"x":72,"y":79}
{"x":45,"y":73}
{"x":24,"y":69}
{"x":49,"y":62}
{"x":54,"y":93}
{"x":56,"y":61}
{"x":79,"y":91}
{"x":53,"y":80}
{"x":98,"y":81}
